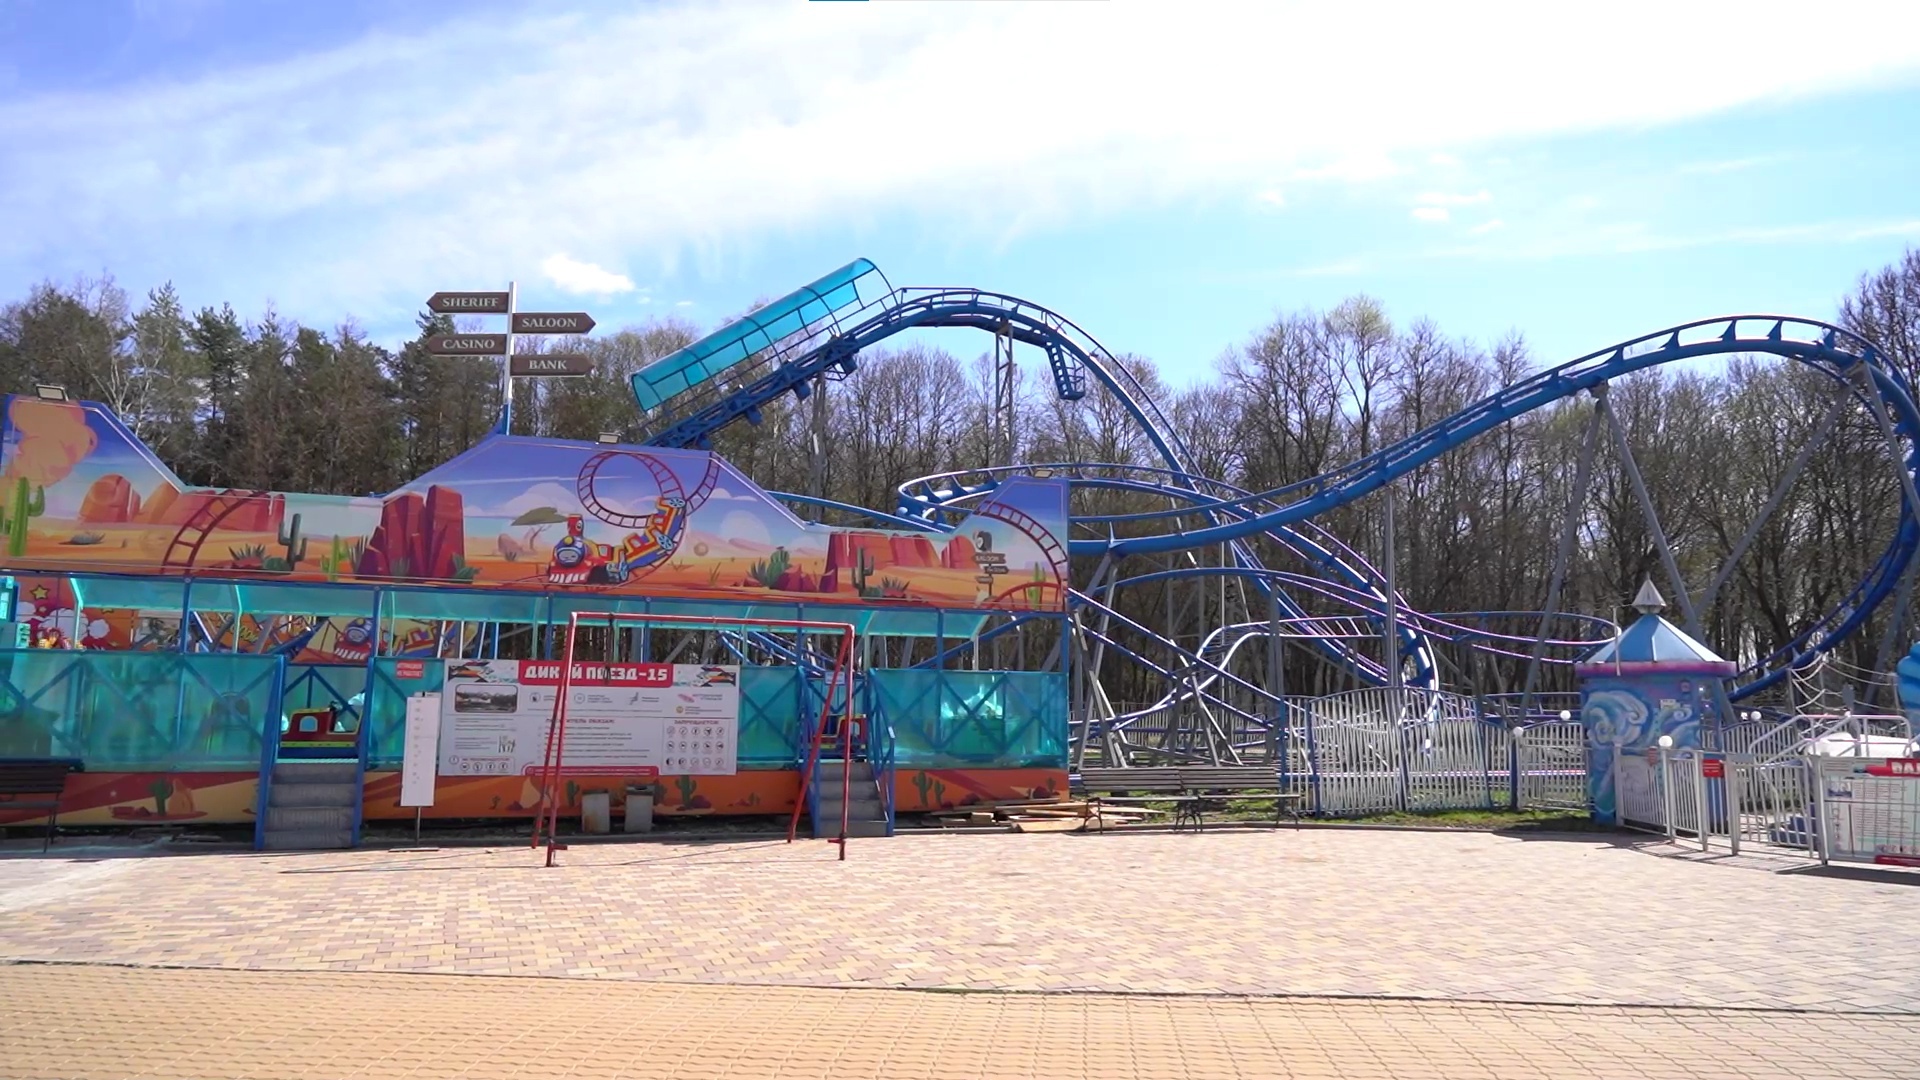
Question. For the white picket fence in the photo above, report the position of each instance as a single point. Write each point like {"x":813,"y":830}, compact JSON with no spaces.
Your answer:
{"x":1384,"y":750}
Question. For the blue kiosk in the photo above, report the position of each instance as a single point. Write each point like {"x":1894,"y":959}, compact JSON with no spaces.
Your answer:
{"x":1651,"y":680}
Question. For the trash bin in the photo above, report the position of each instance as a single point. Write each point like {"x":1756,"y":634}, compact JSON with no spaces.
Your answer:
{"x":596,"y":813}
{"x":639,"y":809}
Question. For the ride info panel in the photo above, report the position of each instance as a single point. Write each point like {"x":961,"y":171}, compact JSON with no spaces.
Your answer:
{"x":630,"y":719}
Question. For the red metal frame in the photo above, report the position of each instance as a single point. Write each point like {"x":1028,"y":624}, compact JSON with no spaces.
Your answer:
{"x":548,"y":819}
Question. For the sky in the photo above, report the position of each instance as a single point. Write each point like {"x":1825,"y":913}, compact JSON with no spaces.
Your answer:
{"x":1169,"y":175}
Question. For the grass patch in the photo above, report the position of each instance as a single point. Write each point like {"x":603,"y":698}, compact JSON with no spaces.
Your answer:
{"x":1260,"y":810}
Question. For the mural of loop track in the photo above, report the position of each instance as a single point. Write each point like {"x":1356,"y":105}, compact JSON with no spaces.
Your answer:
{"x":652,"y":537}
{"x":764,"y":356}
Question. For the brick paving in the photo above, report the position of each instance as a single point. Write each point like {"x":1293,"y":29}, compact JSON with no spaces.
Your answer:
{"x":97,"y":1023}
{"x":1270,"y":954}
{"x":1449,"y":916}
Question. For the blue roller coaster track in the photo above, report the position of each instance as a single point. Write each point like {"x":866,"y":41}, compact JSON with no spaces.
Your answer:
{"x":819,"y":331}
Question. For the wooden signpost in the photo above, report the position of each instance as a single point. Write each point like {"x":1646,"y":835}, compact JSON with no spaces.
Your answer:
{"x":539,"y":365}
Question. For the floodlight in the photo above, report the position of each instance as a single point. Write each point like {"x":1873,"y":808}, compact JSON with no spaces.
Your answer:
{"x":50,"y":392}
{"x":609,"y":436}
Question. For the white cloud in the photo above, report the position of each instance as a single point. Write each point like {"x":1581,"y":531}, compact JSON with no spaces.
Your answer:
{"x":1486,"y":227}
{"x":676,"y":135}
{"x":1338,"y":268}
{"x":1430,"y":213}
{"x":584,"y":278}
{"x":1711,"y":168}
{"x":565,"y":500}
{"x":1271,"y":198}
{"x":683,"y":303}
{"x":1440,"y":198}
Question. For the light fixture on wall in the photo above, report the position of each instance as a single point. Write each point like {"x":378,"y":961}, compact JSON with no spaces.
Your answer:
{"x":50,"y":392}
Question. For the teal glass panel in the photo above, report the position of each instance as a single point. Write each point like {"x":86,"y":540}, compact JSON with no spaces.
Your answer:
{"x":949,"y":719}
{"x":139,"y":711}
{"x":771,"y":733}
{"x":846,"y":288}
{"x":385,"y":706}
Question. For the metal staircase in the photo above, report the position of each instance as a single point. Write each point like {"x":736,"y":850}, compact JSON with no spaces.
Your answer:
{"x":311,"y":781}
{"x":310,"y":805}
{"x":860,"y":794}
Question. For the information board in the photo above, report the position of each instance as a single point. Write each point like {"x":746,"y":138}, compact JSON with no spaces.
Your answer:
{"x":1870,"y":809}
{"x":421,"y":752}
{"x":634,"y":719}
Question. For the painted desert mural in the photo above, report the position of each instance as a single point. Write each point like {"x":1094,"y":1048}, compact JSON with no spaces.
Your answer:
{"x":78,"y":493}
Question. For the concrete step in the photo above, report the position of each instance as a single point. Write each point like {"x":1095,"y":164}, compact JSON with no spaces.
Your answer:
{"x":829,"y":772}
{"x":306,"y":818}
{"x":283,"y":793}
{"x":314,"y":772}
{"x":308,"y":839}
{"x":859,"y":809}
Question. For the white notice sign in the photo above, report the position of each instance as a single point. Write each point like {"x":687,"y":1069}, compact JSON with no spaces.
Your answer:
{"x":629,"y":719}
{"x":421,"y":754}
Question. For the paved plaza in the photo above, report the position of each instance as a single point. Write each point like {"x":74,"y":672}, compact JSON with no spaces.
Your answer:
{"x":1317,"y":952}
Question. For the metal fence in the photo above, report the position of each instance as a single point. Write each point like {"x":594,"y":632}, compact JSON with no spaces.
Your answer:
{"x":1384,"y":750}
{"x":1834,"y":808}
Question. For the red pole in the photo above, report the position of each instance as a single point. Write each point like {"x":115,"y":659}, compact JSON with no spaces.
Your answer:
{"x":559,"y":736}
{"x":846,"y":747}
{"x":819,"y":735}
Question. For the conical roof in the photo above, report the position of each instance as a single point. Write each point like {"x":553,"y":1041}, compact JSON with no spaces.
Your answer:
{"x":1653,"y":640}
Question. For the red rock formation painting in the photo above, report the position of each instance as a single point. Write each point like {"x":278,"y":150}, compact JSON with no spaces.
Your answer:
{"x":110,"y":500}
{"x":845,"y":549}
{"x":958,"y":554}
{"x":418,"y":537}
{"x":167,"y":506}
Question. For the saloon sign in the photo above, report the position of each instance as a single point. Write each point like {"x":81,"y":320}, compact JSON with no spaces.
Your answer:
{"x":541,"y":365}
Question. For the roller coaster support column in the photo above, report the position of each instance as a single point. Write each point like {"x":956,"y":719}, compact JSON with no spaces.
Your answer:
{"x":1396,"y":701}
{"x":1721,"y":705}
{"x":1277,"y":684}
{"x":1871,"y":393}
{"x":817,"y":447}
{"x":1582,"y":476}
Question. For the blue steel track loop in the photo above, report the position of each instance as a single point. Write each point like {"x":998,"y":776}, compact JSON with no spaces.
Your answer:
{"x":1072,"y":354}
{"x":1829,"y":349}
{"x":1283,"y":513}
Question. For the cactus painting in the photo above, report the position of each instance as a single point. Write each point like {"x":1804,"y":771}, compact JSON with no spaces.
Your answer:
{"x":294,"y":544}
{"x":21,"y":508}
{"x":768,"y":571}
{"x":862,"y":570}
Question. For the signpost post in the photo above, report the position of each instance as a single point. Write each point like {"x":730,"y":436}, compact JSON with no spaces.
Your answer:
{"x":551,"y":365}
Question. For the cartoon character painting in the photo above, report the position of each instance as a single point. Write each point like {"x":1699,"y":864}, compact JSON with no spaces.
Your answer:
{"x":578,"y":560}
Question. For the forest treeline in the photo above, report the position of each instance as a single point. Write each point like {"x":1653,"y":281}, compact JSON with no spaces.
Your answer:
{"x":264,"y":402}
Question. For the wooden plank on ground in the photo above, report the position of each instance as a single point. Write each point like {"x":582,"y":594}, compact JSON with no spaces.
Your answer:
{"x":1049,"y":824}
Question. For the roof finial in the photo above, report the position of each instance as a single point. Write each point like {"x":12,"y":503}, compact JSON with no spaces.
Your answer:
{"x":1648,"y":600}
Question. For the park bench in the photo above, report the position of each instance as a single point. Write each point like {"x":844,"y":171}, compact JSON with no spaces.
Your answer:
{"x":45,"y":777}
{"x":1212,"y":786}
{"x":1192,"y":789}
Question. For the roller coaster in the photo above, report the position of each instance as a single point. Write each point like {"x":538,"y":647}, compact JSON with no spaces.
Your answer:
{"x":1220,"y":698}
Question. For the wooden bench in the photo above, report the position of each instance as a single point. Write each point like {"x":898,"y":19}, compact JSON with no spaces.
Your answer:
{"x":1192,"y":789}
{"x":45,"y":777}
{"x":1215,"y":785}
{"x":1124,"y":786}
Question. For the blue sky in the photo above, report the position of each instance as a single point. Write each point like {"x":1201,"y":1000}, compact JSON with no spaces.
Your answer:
{"x":1167,"y":175}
